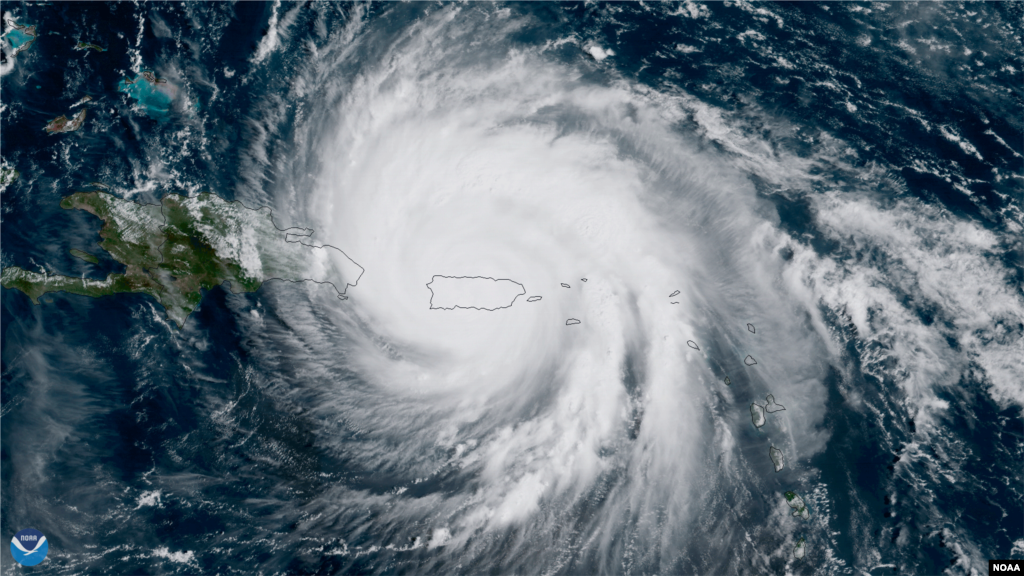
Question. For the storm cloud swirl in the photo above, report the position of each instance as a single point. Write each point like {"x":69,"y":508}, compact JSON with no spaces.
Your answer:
{"x":716,"y":204}
{"x":507,"y":438}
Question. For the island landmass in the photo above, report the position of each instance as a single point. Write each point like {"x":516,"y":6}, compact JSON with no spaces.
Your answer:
{"x":797,"y":504}
{"x":63,"y":124}
{"x":21,"y":37}
{"x":84,"y":256}
{"x":757,"y":415}
{"x":473,"y":292}
{"x":771,"y":405}
{"x":184,"y":245}
{"x":89,"y":46}
{"x":154,"y":95}
{"x":8,"y":174}
{"x":777,"y":459}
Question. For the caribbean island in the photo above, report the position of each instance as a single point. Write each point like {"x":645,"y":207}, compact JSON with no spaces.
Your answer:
{"x":184,"y":245}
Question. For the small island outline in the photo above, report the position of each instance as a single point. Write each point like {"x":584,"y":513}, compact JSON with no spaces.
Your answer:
{"x":797,"y":504}
{"x":777,"y":457}
{"x":509,"y":305}
{"x":771,"y":405}
{"x":83,"y":255}
{"x":757,"y":415}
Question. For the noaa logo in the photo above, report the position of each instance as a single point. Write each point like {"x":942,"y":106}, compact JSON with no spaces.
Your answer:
{"x":1004,"y":566}
{"x":29,"y":547}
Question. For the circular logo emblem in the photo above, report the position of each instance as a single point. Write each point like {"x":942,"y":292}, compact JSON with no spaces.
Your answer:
{"x":29,"y":547}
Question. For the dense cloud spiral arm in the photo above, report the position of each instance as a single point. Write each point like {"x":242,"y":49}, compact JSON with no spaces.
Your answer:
{"x":507,"y":163}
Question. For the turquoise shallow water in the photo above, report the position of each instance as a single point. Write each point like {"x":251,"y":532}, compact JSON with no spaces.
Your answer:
{"x":18,"y":38}
{"x":152,"y":97}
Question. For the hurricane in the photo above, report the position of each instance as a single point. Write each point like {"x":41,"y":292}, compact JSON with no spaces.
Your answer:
{"x":723,"y":335}
{"x":507,"y":163}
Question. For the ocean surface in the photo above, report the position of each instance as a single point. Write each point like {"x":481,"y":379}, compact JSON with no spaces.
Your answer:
{"x":844,"y":178}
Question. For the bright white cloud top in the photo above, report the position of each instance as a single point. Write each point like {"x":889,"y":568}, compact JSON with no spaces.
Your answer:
{"x":473,"y":292}
{"x":474,"y":156}
{"x":509,"y":165}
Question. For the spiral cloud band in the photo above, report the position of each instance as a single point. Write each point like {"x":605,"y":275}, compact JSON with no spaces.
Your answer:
{"x":584,"y":339}
{"x":467,"y":158}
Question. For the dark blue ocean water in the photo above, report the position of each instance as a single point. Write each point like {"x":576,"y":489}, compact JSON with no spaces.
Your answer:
{"x":138,"y":449}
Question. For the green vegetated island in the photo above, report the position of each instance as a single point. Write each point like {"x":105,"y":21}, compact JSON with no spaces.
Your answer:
{"x":797,"y":504}
{"x":8,"y":174}
{"x":799,"y":510}
{"x":176,"y":249}
{"x":89,"y":46}
{"x":84,"y":256}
